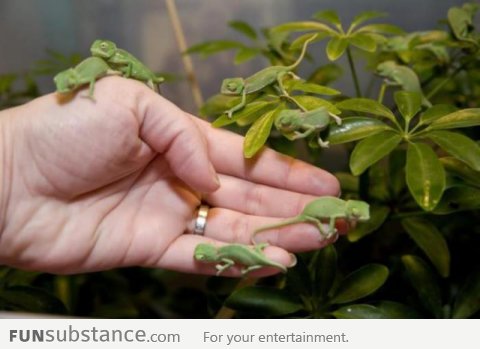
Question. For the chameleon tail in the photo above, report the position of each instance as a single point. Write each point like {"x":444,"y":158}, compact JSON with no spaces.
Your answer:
{"x":278,"y":225}
{"x":302,"y":54}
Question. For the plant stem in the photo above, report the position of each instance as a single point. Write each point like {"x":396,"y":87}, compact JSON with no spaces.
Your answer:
{"x":382,"y":93}
{"x":354,"y":73}
{"x":445,"y":81}
{"x":409,"y":214}
{"x":182,"y":46}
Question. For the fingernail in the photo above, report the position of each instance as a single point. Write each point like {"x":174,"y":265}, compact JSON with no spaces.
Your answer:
{"x":293,"y":260}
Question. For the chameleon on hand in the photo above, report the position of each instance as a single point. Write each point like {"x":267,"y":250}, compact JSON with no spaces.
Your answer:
{"x":251,"y":257}
{"x":399,"y":75}
{"x":260,"y":80}
{"x":295,"y":124}
{"x":86,"y":72}
{"x":128,"y":64}
{"x":326,"y":207}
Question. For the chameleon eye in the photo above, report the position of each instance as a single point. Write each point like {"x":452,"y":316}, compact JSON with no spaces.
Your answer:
{"x":103,"y":45}
{"x":232,"y":86}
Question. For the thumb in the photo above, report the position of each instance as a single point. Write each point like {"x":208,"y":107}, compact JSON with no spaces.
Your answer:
{"x":172,"y":132}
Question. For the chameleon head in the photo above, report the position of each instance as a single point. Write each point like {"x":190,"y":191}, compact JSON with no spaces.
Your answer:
{"x":205,"y":253}
{"x":385,"y":67}
{"x":232,"y":86}
{"x":65,"y":81}
{"x":357,"y":210}
{"x":103,"y":48}
{"x":288,"y":120}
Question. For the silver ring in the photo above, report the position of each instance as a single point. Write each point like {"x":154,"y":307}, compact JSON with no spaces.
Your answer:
{"x":201,"y":220}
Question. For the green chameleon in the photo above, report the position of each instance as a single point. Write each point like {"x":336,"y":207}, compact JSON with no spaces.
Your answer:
{"x":86,"y":72}
{"x":260,"y":80}
{"x":251,"y":257}
{"x":399,"y":75}
{"x":295,"y":124}
{"x":123,"y":61}
{"x":327,"y":207}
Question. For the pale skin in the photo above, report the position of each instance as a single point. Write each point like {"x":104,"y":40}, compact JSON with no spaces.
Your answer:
{"x":90,"y":186}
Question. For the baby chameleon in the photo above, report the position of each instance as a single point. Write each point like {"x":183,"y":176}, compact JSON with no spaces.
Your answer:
{"x":86,"y":72}
{"x":399,"y":75}
{"x":327,"y":207}
{"x":260,"y":80}
{"x":129,"y":65}
{"x":295,"y":124}
{"x":251,"y":257}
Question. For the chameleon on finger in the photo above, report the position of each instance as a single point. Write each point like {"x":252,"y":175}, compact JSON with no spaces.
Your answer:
{"x":403,"y":76}
{"x":260,"y":80}
{"x":124,"y":61}
{"x":295,"y":124}
{"x":251,"y":257}
{"x":86,"y":72}
{"x":326,"y":207}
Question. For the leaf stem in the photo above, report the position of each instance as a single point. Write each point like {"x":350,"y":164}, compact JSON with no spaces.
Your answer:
{"x":382,"y":93}
{"x":354,"y":73}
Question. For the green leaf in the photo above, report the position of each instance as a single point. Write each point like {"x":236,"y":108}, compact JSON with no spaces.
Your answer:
{"x":355,"y":128}
{"x":462,"y":118}
{"x":460,"y":21}
{"x":298,"y":43}
{"x":423,"y":280}
{"x":372,"y":149}
{"x":394,"y":310}
{"x":396,"y":172}
{"x":244,"y":28}
{"x":348,"y":182}
{"x":299,"y":85}
{"x":365,"y":16}
{"x":298,"y":279}
{"x":303,"y":26}
{"x":459,"y":146}
{"x":436,"y":112}
{"x":360,"y":283}
{"x":326,"y":74}
{"x":467,"y":302}
{"x":258,"y":134}
{"x":431,"y":241}
{"x":324,"y":266}
{"x":328,"y":16}
{"x":359,"y":311}
{"x":381,"y":29}
{"x":458,"y":199}
{"x":245,"y":54}
{"x":408,"y":103}
{"x":311,"y":102}
{"x":208,"y":48}
{"x":263,"y":300}
{"x":363,"y":41}
{"x":30,"y":299}
{"x":217,"y":104}
{"x":378,"y":215}
{"x":460,"y":169}
{"x":253,"y":109}
{"x":425,"y":175}
{"x":365,"y":105}
{"x":336,"y":47}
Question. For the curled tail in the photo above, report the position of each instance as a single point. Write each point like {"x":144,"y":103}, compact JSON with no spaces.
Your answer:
{"x":302,"y":54}
{"x":294,"y":220}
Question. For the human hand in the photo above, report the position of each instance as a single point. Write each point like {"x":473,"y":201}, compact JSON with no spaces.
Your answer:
{"x":96,"y":185}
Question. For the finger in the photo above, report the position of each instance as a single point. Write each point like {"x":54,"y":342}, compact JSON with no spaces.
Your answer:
{"x":169,"y":131}
{"x":269,"y":167}
{"x":180,"y":257}
{"x":257,"y":199}
{"x":234,"y":227}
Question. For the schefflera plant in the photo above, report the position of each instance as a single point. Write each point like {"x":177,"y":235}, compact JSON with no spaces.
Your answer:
{"x":414,"y":162}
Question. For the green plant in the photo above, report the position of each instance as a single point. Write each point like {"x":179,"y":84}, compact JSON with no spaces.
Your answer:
{"x":417,"y":164}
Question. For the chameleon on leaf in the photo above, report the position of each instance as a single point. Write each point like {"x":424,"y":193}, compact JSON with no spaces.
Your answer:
{"x":260,"y":80}
{"x":251,"y":257}
{"x":295,"y":124}
{"x":86,"y":72}
{"x":326,"y":207}
{"x":128,"y":64}
{"x":403,"y":76}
